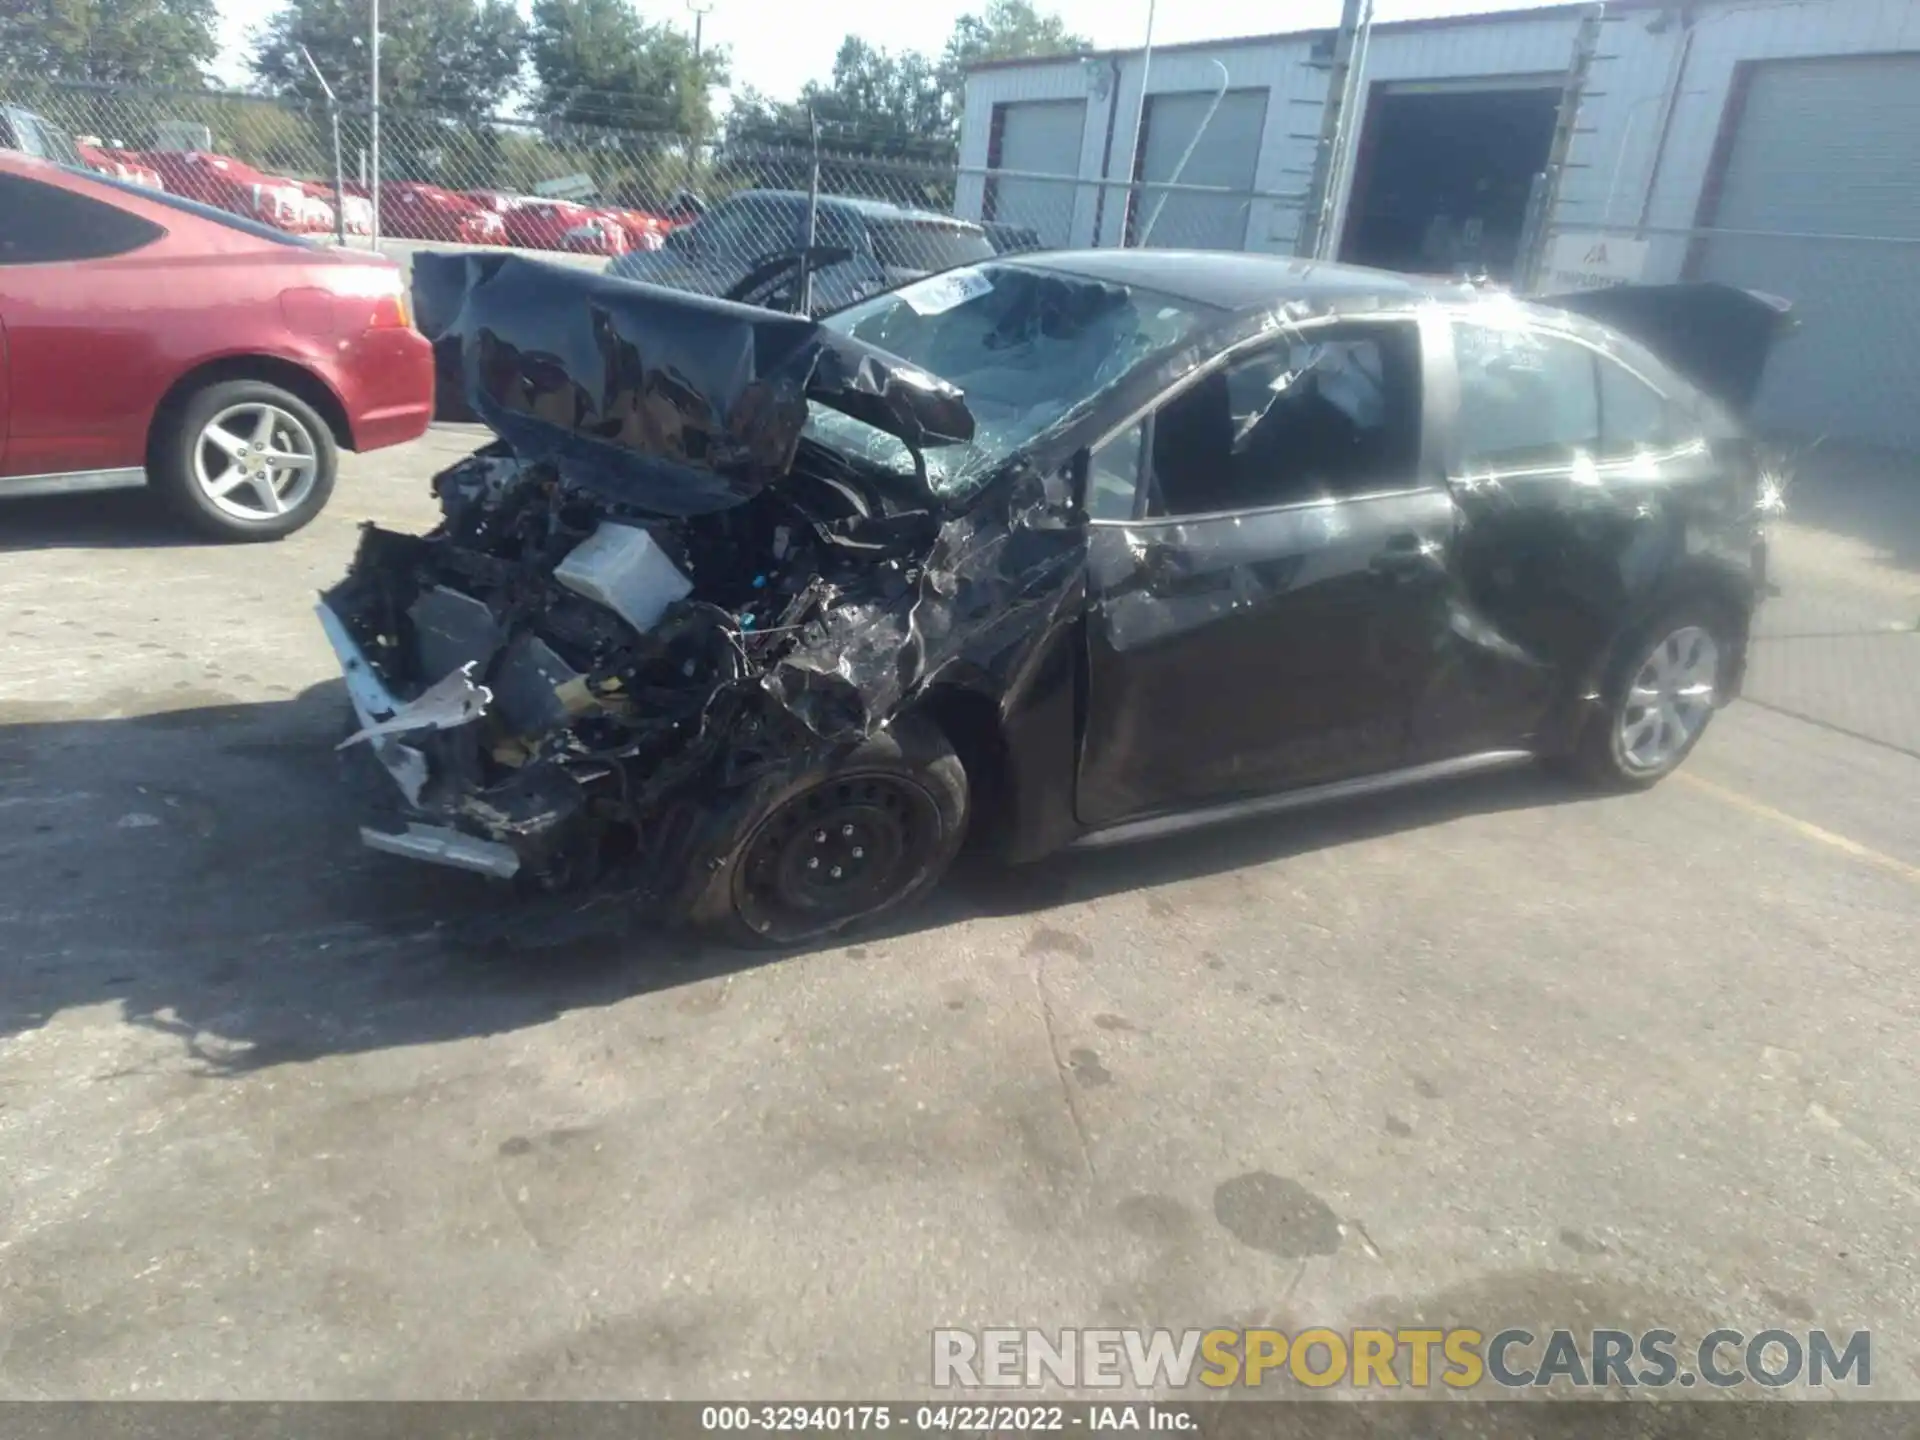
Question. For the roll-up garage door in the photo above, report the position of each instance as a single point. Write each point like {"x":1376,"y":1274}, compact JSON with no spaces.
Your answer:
{"x":1825,"y":155}
{"x":1037,"y":137}
{"x":1225,"y":155}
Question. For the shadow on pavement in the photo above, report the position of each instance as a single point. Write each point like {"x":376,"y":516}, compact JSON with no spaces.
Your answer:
{"x":104,"y":520}
{"x":1865,"y":494}
{"x":201,"y":869}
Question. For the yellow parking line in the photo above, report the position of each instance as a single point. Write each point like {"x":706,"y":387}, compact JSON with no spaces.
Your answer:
{"x":1909,"y":873}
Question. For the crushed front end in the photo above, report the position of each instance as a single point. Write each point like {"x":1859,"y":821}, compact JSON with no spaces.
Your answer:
{"x":651,"y":590}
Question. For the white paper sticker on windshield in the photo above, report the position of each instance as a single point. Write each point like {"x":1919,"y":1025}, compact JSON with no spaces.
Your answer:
{"x":938,"y":294}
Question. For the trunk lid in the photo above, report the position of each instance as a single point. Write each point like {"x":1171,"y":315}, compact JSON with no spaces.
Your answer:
{"x":1716,"y":336}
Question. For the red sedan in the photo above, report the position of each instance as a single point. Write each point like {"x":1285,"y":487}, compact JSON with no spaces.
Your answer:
{"x":230,"y":184}
{"x":412,"y":210}
{"x":543,"y":224}
{"x":148,"y":339}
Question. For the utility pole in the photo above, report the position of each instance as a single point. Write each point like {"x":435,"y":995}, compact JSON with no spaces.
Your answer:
{"x":373,"y":126}
{"x":701,"y":9}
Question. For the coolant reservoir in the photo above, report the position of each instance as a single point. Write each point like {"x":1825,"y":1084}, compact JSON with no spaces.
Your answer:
{"x":626,"y":571}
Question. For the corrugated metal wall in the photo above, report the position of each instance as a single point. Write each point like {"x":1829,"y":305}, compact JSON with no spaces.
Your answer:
{"x":1614,"y":153}
{"x":1846,"y":165}
{"x":1632,"y":167}
{"x":1282,"y":68}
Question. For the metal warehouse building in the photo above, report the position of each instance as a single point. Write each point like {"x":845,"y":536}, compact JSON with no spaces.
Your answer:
{"x":1773,"y":144}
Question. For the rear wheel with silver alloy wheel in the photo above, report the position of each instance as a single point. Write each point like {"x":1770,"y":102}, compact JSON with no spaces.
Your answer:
{"x":1660,"y":695}
{"x":244,"y":460}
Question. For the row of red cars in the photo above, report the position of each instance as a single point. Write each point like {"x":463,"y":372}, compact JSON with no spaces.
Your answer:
{"x":409,"y":209}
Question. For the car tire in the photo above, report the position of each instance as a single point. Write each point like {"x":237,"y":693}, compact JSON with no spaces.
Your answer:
{"x":203,"y":443}
{"x":1658,"y":697}
{"x":822,"y":852}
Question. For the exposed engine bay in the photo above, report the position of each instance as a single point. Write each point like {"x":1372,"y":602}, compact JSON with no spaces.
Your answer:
{"x":615,"y":655}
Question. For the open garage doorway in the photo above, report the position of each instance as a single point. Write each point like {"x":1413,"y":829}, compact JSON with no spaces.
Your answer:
{"x":1441,"y":178}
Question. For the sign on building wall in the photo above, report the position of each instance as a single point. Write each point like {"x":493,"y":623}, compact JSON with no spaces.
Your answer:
{"x":1589,"y":260}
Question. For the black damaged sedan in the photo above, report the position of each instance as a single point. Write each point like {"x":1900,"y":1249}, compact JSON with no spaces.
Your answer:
{"x":757,"y":617}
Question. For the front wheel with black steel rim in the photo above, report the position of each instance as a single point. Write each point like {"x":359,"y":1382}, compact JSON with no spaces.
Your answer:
{"x":857,"y":837}
{"x":244,"y":460}
{"x":1660,"y":695}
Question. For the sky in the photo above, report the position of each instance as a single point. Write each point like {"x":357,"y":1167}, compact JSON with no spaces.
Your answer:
{"x":778,"y":45}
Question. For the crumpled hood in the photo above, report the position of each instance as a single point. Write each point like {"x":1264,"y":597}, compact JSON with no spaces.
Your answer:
{"x":675,"y":403}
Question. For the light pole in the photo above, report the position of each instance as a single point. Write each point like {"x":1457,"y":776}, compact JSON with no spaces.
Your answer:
{"x":339,"y":175}
{"x":1139,"y":120}
{"x":701,"y":9}
{"x":373,"y":125}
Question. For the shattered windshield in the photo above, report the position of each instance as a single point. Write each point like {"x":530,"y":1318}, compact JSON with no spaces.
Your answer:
{"x":1026,"y":345}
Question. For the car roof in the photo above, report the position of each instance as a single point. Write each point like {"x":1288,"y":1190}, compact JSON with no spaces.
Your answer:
{"x":1237,"y":281}
{"x":859,"y":205}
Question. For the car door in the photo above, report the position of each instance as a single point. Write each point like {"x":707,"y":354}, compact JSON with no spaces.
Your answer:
{"x":79,"y":360}
{"x":1550,"y":438}
{"x":1267,"y":574}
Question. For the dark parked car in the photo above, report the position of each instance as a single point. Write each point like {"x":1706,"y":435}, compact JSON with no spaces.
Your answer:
{"x":874,"y":245}
{"x":756,"y":616}
{"x":38,"y":136}
{"x":146,"y":338}
{"x":1009,"y":239}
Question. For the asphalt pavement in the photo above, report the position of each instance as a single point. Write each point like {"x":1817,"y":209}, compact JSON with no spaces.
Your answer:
{"x":280,"y":1118}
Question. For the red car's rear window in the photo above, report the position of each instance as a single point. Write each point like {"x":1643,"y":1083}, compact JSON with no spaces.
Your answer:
{"x":205,"y":212}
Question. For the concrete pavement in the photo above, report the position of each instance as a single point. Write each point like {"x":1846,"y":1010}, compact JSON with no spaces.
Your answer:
{"x":283,"y":1119}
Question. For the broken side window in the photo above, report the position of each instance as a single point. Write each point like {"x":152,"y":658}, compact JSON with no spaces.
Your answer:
{"x":1325,"y":413}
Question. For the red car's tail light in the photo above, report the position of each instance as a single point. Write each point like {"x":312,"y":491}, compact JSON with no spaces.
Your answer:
{"x":370,"y":297}
{"x":390,"y":312}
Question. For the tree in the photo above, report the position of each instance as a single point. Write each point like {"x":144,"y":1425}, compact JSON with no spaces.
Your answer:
{"x":449,"y":57}
{"x":110,"y":42}
{"x":1008,"y":30}
{"x":878,"y":100}
{"x":876,"y":94}
{"x":596,"y":62}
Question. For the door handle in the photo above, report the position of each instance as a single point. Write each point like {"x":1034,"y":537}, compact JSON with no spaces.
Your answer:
{"x":1157,"y":563}
{"x":1406,"y":557}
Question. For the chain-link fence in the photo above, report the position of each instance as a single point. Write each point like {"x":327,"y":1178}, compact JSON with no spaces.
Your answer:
{"x":600,"y":194}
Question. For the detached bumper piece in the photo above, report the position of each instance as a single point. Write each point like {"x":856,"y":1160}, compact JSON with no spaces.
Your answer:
{"x":445,"y":846}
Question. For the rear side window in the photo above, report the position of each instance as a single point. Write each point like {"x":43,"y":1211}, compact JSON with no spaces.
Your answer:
{"x":40,"y":224}
{"x":1528,"y":399}
{"x":1632,"y":412}
{"x":925,"y":245}
{"x":205,"y":212}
